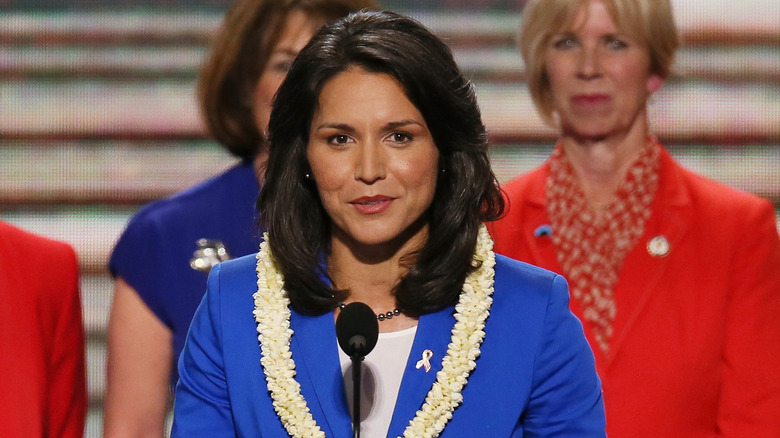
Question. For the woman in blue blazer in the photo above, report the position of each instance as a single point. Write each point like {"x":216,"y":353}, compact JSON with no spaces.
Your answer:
{"x":377,"y":185}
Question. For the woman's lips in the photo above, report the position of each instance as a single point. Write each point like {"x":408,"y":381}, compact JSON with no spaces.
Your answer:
{"x":590,"y":100}
{"x":372,"y":204}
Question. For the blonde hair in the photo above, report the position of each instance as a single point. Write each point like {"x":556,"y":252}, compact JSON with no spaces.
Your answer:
{"x":651,"y":22}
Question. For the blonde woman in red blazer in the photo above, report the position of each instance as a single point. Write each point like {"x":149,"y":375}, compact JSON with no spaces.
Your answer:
{"x":43,"y":389}
{"x":676,"y":278}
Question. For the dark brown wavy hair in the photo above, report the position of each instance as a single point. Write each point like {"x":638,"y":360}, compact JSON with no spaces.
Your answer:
{"x":467,"y":192}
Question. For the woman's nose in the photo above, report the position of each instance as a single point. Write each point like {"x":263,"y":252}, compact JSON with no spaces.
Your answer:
{"x":588,"y":64}
{"x":370,"y":166}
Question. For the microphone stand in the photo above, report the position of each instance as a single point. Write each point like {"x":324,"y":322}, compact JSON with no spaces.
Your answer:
{"x":357,"y":363}
{"x":357,"y":330}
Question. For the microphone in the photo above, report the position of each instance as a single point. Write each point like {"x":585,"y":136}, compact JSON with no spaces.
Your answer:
{"x":357,"y":331}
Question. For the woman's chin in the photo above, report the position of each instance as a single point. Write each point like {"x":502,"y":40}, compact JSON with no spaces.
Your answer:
{"x":591,"y":130}
{"x":384,"y":240}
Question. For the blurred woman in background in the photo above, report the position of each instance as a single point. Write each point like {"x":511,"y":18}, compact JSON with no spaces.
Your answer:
{"x":676,"y":278}
{"x":43,"y":387}
{"x":157,"y":285}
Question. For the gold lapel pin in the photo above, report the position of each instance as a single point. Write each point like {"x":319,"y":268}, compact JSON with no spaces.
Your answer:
{"x":658,"y":246}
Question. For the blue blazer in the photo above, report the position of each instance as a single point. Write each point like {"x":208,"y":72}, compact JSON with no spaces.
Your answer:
{"x":535,"y":376}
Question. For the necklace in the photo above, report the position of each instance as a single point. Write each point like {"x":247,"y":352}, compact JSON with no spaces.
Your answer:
{"x":380,"y":316}
{"x":272,"y":314}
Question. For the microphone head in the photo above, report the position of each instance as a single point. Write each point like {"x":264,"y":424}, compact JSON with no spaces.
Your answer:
{"x":357,"y":329}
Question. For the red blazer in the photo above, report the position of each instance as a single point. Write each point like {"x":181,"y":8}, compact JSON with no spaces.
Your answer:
{"x":42,"y":381}
{"x":696,"y":344}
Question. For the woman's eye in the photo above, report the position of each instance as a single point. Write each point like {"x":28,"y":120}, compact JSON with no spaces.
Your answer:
{"x":565,"y":43}
{"x":338,"y":139}
{"x":616,"y":44}
{"x":400,"y":137}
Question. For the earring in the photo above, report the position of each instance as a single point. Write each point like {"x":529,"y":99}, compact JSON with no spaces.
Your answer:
{"x":307,"y":176}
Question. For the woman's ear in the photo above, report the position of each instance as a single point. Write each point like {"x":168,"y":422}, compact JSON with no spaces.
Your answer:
{"x":654,"y":83}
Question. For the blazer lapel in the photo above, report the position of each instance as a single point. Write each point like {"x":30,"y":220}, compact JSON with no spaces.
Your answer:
{"x":537,"y":236}
{"x":315,"y":351}
{"x":671,"y":218}
{"x":534,"y":224}
{"x":434,"y":334}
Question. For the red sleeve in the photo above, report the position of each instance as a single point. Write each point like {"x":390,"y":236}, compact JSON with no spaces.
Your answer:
{"x":750,"y":402}
{"x":67,"y":400}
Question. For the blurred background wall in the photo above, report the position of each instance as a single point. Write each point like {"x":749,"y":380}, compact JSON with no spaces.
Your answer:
{"x":98,"y":115}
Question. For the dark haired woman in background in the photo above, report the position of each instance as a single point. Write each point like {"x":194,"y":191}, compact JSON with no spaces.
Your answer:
{"x":377,"y":185}
{"x":157,"y":287}
{"x":676,"y":278}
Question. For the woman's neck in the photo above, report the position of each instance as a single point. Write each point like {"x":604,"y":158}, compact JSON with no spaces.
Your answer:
{"x":370,"y":274}
{"x":601,"y":164}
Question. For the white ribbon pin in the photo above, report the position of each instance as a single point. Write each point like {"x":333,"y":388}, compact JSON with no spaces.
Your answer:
{"x":425,"y":361}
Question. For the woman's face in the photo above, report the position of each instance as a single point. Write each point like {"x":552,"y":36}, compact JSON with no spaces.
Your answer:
{"x":373,"y":160}
{"x":297,"y":31}
{"x":599,"y":77}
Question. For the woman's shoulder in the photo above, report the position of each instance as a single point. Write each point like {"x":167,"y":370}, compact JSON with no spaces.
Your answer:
{"x":24,"y":245}
{"x":678,"y":182}
{"x":527,"y":183}
{"x":38,"y":262}
{"x":230,"y":290}
{"x":511,"y":270}
{"x":715,"y":207}
{"x":209,"y":194}
{"x":238,"y":266}
{"x":234,"y":276}
{"x":221,"y":207}
{"x":522,"y":284}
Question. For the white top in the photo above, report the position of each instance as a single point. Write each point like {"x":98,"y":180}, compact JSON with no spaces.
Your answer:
{"x":381,"y":376}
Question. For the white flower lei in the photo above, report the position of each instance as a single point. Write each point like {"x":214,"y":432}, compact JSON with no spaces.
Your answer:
{"x":272,"y":313}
